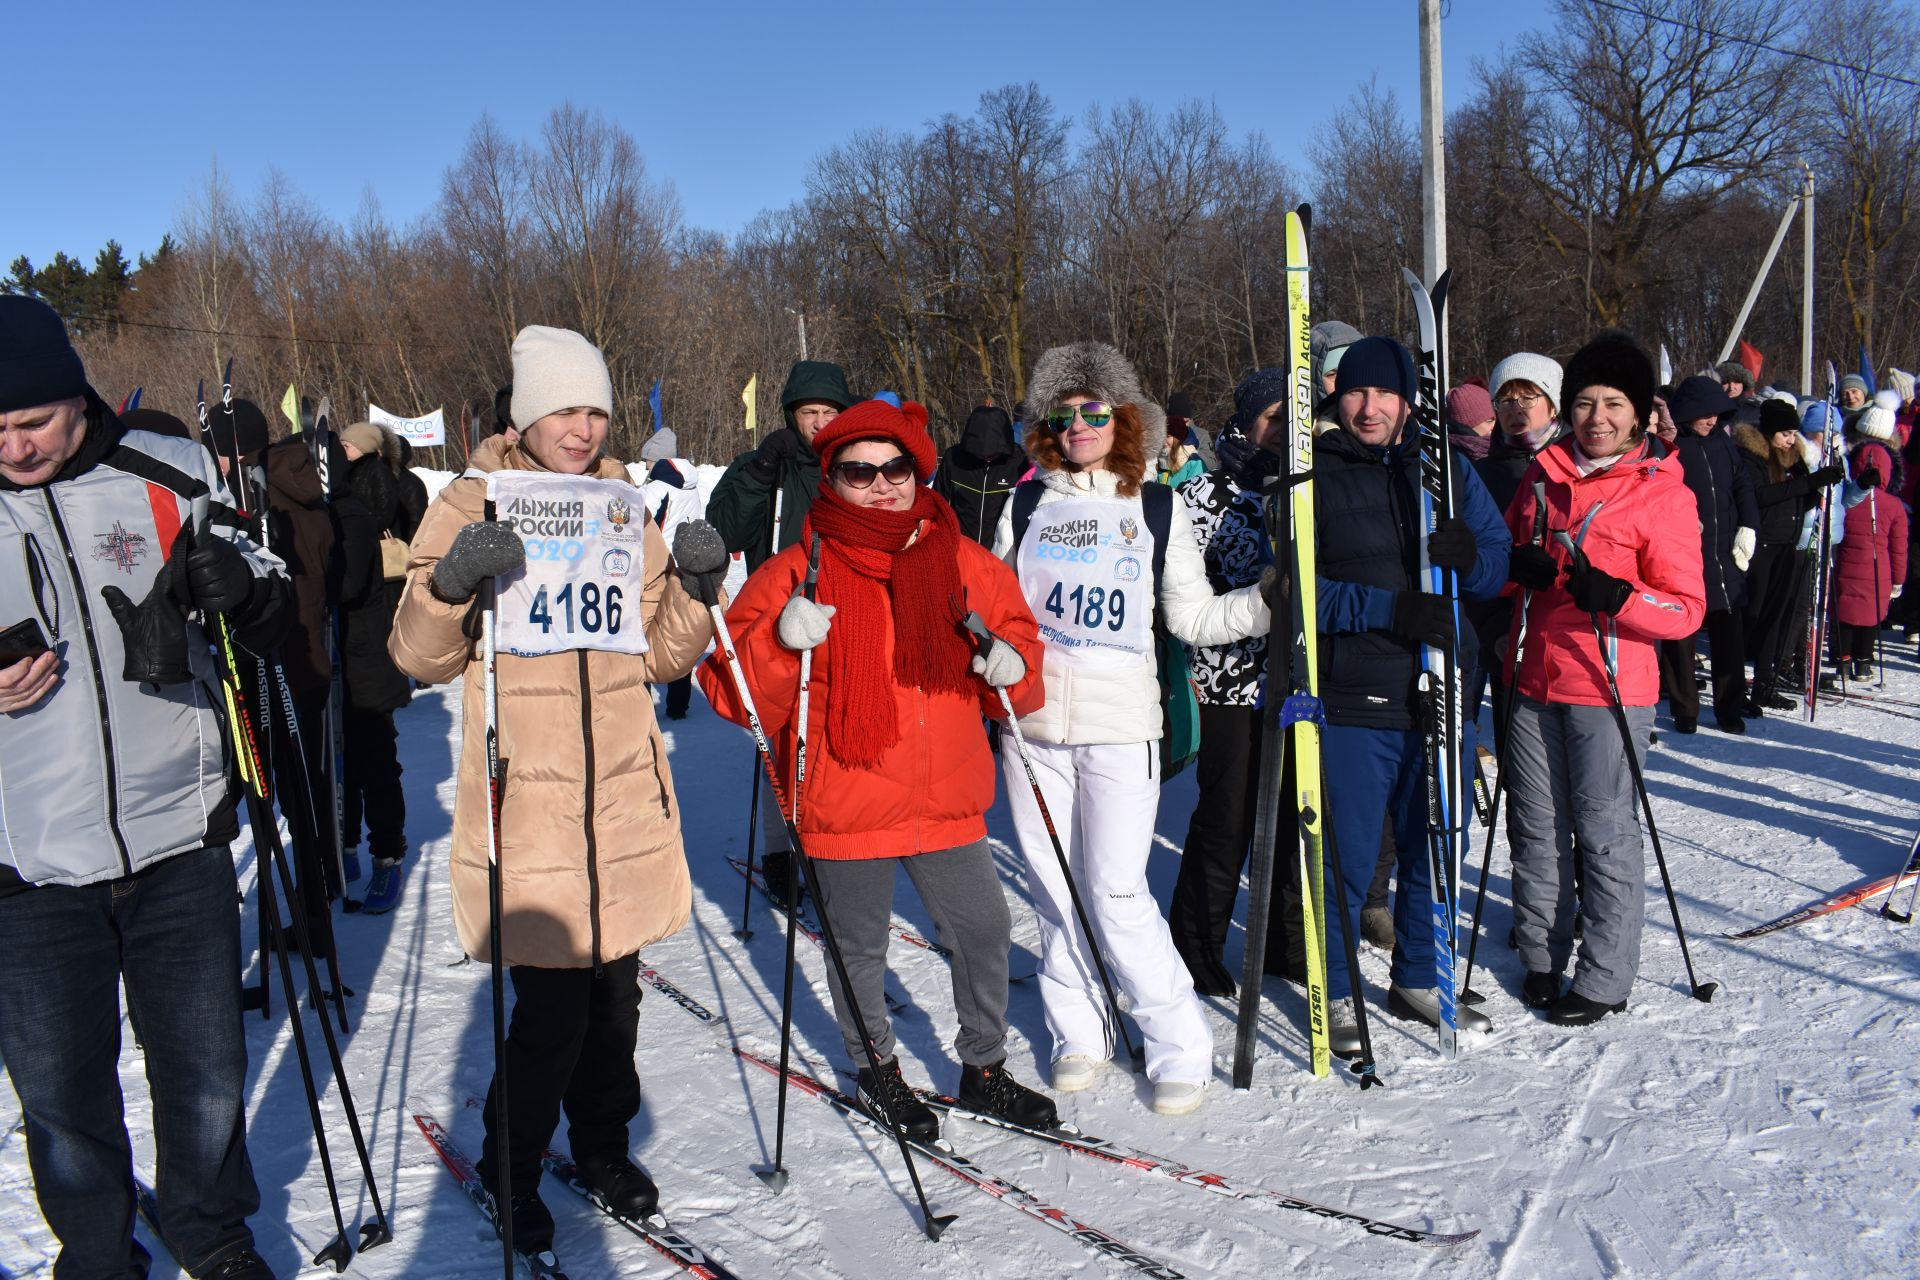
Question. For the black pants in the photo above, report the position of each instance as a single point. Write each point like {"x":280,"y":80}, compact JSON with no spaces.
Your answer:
{"x":1773,"y":587}
{"x":679,"y":697}
{"x":1853,"y":642}
{"x":570,"y":1043}
{"x":1728,"y":660}
{"x":371,"y":786}
{"x":1218,"y":838}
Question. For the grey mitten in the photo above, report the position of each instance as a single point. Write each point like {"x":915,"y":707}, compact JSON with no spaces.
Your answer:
{"x":1001,"y":665}
{"x":803,"y":623}
{"x":483,"y":549}
{"x":700,"y":559}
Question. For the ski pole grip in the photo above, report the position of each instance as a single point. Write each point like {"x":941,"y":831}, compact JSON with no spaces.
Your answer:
{"x":977,"y":625}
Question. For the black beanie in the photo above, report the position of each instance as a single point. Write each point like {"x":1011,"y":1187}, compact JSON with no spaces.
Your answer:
{"x":1612,"y":359}
{"x":38,"y":364}
{"x":1180,"y":405}
{"x":246,"y":421}
{"x":156,"y":421}
{"x":1376,"y":362}
{"x":1777,"y":415}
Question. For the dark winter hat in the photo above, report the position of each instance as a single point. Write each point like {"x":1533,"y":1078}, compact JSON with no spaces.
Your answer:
{"x":156,"y":421}
{"x":1613,"y":359}
{"x":816,"y":380}
{"x":1698,"y":397}
{"x":38,"y":364}
{"x":906,"y":426}
{"x":1777,"y":415}
{"x":1375,"y":362}
{"x":1469,"y":406}
{"x":244,"y":420}
{"x":1180,"y":405}
{"x":503,"y":409}
{"x":1256,"y":391}
{"x":1329,"y":336}
{"x":1733,"y":371}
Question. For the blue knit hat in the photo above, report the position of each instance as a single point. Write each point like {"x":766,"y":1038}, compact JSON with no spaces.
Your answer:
{"x":1819,"y":418}
{"x":1375,"y":362}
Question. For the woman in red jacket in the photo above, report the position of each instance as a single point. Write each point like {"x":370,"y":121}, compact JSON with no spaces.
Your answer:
{"x":899,"y":774}
{"x":1872,"y":554}
{"x":1634,"y":580}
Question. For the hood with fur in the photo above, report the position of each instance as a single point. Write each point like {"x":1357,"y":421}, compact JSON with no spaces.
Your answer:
{"x":1748,"y":438}
{"x":1098,"y":370}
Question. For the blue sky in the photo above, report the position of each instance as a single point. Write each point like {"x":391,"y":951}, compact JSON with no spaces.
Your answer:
{"x":730,"y":101}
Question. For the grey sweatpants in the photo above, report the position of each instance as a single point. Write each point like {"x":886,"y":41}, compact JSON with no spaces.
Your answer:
{"x":1568,"y":780}
{"x":962,"y":891}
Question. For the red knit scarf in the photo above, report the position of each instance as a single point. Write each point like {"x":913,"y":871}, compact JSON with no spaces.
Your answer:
{"x":868,"y":573}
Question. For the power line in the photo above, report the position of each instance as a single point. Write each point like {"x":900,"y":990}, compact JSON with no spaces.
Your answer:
{"x":1755,"y":44}
{"x":261,"y":337}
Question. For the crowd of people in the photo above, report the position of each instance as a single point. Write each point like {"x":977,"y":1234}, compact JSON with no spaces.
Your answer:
{"x":1093,"y":565}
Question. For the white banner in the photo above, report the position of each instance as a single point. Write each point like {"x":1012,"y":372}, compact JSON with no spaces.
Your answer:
{"x":580,"y":588}
{"x":431,"y":429}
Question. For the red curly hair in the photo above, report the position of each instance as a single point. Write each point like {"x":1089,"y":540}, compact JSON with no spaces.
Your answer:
{"x":1127,"y":460}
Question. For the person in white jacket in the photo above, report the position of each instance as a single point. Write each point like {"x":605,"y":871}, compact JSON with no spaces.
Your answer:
{"x":1085,"y":556}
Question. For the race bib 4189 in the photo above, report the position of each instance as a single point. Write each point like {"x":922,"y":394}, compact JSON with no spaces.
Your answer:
{"x":580,"y":587}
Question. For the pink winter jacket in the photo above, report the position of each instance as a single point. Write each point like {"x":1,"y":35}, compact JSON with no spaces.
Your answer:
{"x":1872,"y":556}
{"x":1646,"y":530}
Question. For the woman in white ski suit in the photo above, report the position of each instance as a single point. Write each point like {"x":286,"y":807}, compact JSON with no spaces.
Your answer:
{"x":1086,"y":558}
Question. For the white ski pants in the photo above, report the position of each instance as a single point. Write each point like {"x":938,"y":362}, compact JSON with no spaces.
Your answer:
{"x":1104,"y":800}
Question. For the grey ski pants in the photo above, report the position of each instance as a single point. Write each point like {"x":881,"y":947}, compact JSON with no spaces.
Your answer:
{"x":1568,"y":780}
{"x":961,"y":889}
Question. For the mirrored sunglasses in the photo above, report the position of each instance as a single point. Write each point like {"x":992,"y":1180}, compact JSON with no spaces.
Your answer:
{"x":1093,"y":413}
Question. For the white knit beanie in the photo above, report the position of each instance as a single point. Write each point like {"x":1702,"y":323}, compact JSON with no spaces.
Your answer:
{"x":1875,"y":422}
{"x":555,"y":369}
{"x":1525,"y":366}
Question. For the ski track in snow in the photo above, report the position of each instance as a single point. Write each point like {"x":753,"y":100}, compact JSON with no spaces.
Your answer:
{"x":1770,"y":1132}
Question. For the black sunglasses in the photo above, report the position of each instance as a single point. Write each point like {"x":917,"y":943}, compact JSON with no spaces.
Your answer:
{"x":860,"y":475}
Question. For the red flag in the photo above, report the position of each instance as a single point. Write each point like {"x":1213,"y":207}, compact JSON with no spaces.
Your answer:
{"x":1752,"y":360}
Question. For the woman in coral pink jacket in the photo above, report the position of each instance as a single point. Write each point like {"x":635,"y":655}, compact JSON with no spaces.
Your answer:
{"x":1634,"y":580}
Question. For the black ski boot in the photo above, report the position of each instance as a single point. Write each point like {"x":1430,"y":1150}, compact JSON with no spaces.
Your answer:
{"x":1540,"y":990}
{"x":532,"y":1224}
{"x":991,"y":1091}
{"x":891,"y":1096}
{"x":1575,"y":1010}
{"x":245,"y":1265}
{"x":620,"y":1185}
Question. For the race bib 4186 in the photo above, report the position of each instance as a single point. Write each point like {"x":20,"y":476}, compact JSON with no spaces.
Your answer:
{"x":580,"y":587}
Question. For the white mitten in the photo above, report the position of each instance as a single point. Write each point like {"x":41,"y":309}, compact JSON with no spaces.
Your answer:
{"x":1744,"y":541}
{"x":803,"y":624}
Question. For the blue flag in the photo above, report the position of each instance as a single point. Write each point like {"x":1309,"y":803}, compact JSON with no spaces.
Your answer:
{"x":653,"y":401}
{"x":1866,"y":370}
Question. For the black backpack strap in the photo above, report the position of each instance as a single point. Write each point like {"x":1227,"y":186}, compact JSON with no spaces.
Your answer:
{"x":1026,"y":497}
{"x":1156,"y":501}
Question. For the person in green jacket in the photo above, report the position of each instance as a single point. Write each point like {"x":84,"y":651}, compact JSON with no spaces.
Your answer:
{"x":741,"y":506}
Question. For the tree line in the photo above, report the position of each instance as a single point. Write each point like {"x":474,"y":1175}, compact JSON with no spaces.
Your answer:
{"x":1626,"y":164}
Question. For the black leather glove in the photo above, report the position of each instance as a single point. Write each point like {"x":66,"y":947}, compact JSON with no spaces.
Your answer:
{"x":153,"y":633}
{"x":1451,"y":546}
{"x":483,"y":549}
{"x":700,"y":559}
{"x":1419,"y":618}
{"x":1272,"y":585}
{"x":1831,"y":474}
{"x":1870,"y":478}
{"x":1533,"y":567}
{"x":218,"y":577}
{"x":1596,"y":590}
{"x":771,"y":458}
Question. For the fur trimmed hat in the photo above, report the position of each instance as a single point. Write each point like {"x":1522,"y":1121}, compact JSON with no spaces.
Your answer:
{"x":1613,"y":359}
{"x":906,"y":426}
{"x":1098,"y":370}
{"x":1733,"y":371}
{"x":1525,"y":366}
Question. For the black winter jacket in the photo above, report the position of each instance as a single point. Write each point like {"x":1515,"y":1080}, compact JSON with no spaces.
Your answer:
{"x":371,"y":507}
{"x":1783,"y":503}
{"x":1723,"y":493}
{"x":977,"y":475}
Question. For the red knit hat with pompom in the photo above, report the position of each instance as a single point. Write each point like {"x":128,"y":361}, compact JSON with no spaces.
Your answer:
{"x":906,"y":426}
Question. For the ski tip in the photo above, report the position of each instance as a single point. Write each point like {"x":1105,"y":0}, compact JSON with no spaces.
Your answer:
{"x":1448,"y":1238}
{"x":937,"y":1224}
{"x":776,"y":1179}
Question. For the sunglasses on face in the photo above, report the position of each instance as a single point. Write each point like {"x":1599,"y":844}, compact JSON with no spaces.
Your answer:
{"x":860,"y":475}
{"x":1093,"y":413}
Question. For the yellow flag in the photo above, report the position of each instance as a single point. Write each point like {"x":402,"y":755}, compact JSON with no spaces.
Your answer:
{"x":750,"y":398}
{"x":290,"y":405}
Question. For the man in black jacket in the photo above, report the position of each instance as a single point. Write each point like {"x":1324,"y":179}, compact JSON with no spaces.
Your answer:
{"x":977,"y":474}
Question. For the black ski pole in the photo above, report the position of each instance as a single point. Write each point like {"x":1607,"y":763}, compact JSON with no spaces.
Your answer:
{"x":753,"y":833}
{"x":932,"y":1225}
{"x":488,"y":598}
{"x":1912,"y":867}
{"x":1135,"y":1057}
{"x":776,"y":1177}
{"x":305,"y":775}
{"x":1700,"y":991}
{"x":1467,"y":994}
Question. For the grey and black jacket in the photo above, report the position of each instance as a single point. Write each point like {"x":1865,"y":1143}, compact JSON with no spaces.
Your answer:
{"x":105,"y":777}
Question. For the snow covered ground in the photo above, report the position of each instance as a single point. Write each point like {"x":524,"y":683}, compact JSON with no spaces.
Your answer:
{"x":1768,"y":1133}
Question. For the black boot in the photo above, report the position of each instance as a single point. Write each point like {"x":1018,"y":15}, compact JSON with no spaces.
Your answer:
{"x":1540,"y":990}
{"x":1575,"y":1010}
{"x":532,"y":1224}
{"x":245,"y":1265}
{"x":621,"y":1186}
{"x":890,"y":1094}
{"x":991,"y":1091}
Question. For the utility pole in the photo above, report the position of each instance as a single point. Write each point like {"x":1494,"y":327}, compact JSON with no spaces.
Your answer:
{"x":801,"y":316}
{"x":1433,"y":161}
{"x":1806,"y":286}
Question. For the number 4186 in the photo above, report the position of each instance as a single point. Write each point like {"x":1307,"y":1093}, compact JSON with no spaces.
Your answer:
{"x":597,"y":609}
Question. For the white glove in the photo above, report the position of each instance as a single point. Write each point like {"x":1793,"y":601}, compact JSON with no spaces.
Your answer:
{"x":1744,"y":541}
{"x":803,"y":624}
{"x":1001,"y":666}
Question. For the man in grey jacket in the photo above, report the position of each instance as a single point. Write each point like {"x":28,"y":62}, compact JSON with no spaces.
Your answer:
{"x":116,"y":549}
